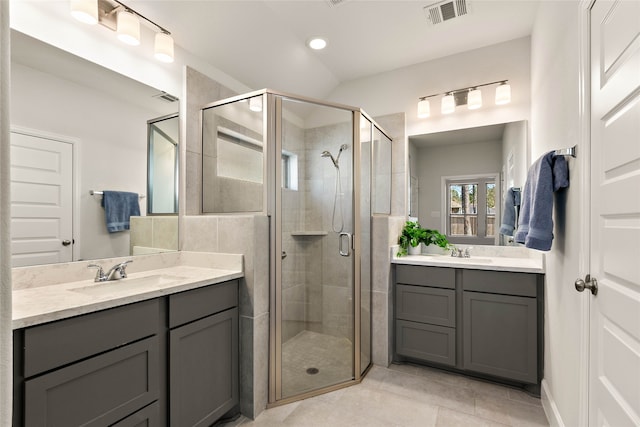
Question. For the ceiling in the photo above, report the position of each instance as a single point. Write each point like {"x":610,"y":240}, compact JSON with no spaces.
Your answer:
{"x":261,"y":43}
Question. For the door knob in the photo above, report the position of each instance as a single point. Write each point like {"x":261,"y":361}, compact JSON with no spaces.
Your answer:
{"x":588,"y":283}
{"x":284,"y":255}
{"x":66,"y":242}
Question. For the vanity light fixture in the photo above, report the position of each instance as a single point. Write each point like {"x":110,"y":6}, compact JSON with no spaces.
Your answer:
{"x":503,"y":93}
{"x":424,"y":108}
{"x":125,"y":21}
{"x":85,"y":11}
{"x":448,"y":105}
{"x":471,"y":96}
{"x":474,"y":99}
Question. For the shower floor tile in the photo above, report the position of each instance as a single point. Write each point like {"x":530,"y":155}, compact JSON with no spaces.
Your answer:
{"x":409,"y":395}
{"x":312,"y":360}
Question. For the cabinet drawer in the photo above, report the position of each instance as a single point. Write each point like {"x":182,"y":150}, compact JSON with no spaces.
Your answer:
{"x":146,"y":417}
{"x":427,"y":305}
{"x":426,"y":276}
{"x":55,"y":344}
{"x":188,"y":306}
{"x":426,"y":342}
{"x":500,"y":282}
{"x":97,"y":391}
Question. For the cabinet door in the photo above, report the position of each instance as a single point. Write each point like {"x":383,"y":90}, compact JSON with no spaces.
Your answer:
{"x":95,"y":392}
{"x":500,"y":336}
{"x":203,"y":369}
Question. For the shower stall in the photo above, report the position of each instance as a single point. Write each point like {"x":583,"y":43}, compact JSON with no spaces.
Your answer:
{"x":319,"y":171}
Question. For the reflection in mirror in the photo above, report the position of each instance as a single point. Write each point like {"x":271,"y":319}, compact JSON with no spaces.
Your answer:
{"x":233,"y":157}
{"x":162,"y":165}
{"x":98,"y":119}
{"x":449,"y":170}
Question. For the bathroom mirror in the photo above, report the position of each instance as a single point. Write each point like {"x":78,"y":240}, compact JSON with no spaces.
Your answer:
{"x":162,"y":165}
{"x":498,"y":152}
{"x":102,"y":117}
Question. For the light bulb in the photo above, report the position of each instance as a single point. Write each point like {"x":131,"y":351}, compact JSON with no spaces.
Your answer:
{"x":85,"y":11}
{"x":164,"y":47}
{"x":503,"y":94}
{"x":448,"y":104}
{"x":317,"y":43}
{"x":128,"y":28}
{"x":474,"y":99}
{"x":424,"y":109}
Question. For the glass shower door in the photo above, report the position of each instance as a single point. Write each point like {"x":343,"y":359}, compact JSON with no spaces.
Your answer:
{"x":315,"y":302}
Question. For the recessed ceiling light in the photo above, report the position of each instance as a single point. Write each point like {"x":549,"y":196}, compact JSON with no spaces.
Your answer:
{"x":317,"y":43}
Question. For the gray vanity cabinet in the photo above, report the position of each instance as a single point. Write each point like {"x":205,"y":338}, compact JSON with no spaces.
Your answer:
{"x":171,"y":360}
{"x":203,"y":355}
{"x":486,"y":323}
{"x":93,"y":370}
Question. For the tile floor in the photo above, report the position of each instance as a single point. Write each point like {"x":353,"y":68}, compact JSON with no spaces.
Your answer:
{"x":330,"y":355}
{"x":409,"y":395}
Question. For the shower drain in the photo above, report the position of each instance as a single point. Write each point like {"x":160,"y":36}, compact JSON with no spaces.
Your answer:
{"x":312,"y":371}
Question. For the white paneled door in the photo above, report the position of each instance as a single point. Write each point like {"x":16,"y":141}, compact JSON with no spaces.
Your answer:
{"x":41,"y":200}
{"x":614,"y":376}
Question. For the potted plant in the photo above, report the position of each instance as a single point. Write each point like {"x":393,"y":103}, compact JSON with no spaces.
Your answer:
{"x":412,"y":235}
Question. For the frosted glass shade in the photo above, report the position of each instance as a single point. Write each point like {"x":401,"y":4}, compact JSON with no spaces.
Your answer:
{"x":448,"y":104}
{"x":255,"y":103}
{"x":128,"y":27}
{"x":503,"y":94}
{"x":424,"y":109}
{"x":474,"y":99}
{"x":85,"y":11}
{"x":164,"y":47}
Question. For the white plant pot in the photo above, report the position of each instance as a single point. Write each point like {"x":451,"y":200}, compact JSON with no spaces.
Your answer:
{"x":414,"y":250}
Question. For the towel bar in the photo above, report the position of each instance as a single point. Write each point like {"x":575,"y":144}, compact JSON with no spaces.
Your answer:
{"x":100,"y":193}
{"x":571,"y":151}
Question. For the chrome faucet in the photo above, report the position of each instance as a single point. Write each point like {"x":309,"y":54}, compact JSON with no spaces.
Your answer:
{"x":460,"y":253}
{"x":116,"y":272}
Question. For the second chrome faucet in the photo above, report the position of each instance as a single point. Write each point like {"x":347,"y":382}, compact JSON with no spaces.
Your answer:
{"x":116,"y":272}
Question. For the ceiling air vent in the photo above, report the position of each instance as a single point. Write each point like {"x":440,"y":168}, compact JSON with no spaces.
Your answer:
{"x":333,"y":3}
{"x":445,"y":10}
{"x":166,"y":97}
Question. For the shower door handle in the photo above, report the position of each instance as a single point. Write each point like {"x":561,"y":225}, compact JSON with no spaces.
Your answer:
{"x":341,"y":239}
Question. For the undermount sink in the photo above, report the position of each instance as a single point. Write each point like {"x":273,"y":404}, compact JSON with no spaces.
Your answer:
{"x":128,"y":284}
{"x":472,"y":260}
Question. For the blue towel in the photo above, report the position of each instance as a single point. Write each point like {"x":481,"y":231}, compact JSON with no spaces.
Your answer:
{"x":511,"y":204}
{"x":548,"y":174}
{"x":119,"y":206}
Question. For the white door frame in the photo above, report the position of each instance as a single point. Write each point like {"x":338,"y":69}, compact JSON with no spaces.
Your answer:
{"x":75,"y":182}
{"x":584,"y":159}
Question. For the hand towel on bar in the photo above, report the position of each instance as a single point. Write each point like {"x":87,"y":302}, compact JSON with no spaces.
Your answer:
{"x":535,"y":227}
{"x":511,"y":203}
{"x":119,"y":206}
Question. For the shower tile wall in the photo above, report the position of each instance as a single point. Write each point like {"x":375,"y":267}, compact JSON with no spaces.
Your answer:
{"x":316,"y":280}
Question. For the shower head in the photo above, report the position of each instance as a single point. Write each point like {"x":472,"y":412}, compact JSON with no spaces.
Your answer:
{"x":344,"y":147}
{"x":328,"y":154}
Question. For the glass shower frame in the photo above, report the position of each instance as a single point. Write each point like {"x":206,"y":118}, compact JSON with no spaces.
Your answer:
{"x":361,"y":203}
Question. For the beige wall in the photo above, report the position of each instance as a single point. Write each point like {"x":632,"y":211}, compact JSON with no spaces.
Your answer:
{"x":556,"y":123}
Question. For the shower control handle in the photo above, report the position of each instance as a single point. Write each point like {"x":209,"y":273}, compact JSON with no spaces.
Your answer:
{"x":342,"y":246}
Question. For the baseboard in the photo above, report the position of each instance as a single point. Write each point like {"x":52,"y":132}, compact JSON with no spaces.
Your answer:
{"x":550,"y":407}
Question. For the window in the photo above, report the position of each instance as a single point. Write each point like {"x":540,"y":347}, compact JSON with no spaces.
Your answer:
{"x":470,"y":209}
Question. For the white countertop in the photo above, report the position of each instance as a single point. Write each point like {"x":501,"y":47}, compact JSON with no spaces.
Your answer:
{"x":493,"y":258}
{"x":45,"y":303}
